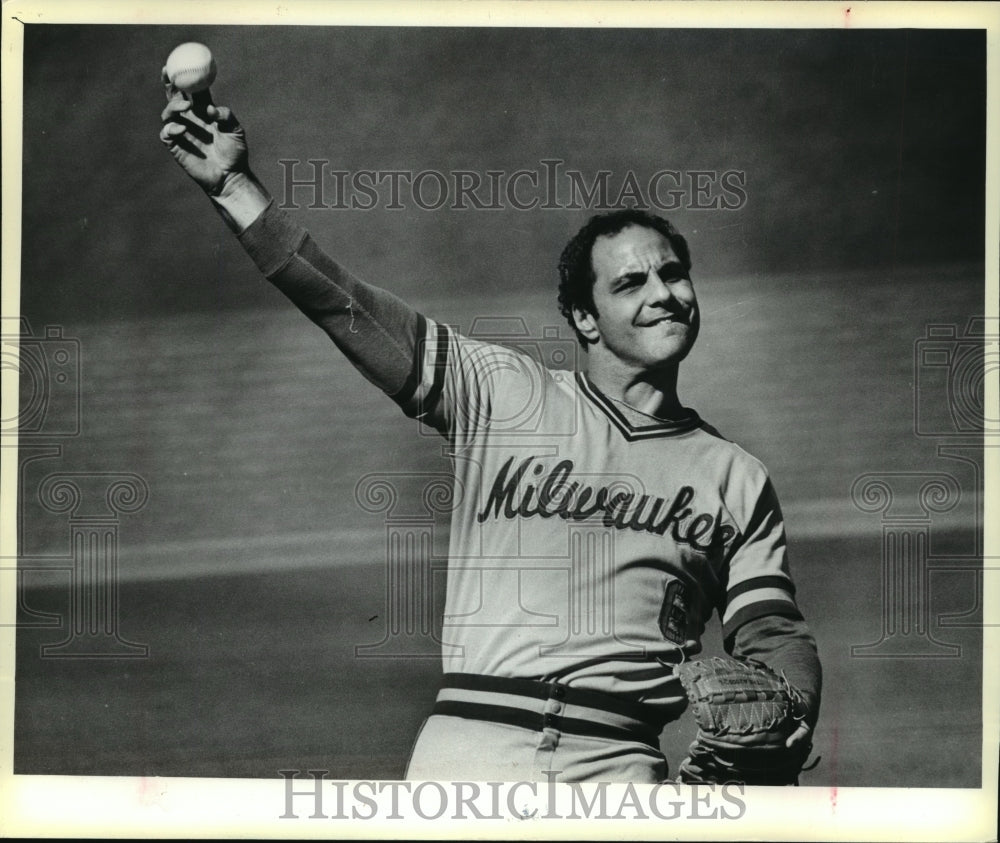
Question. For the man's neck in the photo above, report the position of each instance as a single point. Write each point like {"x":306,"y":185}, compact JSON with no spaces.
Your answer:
{"x":647,"y":392}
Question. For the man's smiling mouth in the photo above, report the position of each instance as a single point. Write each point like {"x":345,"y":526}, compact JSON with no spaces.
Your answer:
{"x":667,"y":317}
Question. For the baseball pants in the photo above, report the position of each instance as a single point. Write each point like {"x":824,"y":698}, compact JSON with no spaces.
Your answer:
{"x":486,"y":728}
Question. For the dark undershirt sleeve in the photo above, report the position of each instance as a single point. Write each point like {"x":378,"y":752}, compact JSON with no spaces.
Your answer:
{"x":786,"y":646}
{"x":374,"y":329}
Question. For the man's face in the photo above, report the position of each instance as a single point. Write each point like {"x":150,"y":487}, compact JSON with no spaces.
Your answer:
{"x":648,"y":312}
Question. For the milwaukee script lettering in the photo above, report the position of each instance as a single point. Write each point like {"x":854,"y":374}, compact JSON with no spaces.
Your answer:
{"x":557,"y":494}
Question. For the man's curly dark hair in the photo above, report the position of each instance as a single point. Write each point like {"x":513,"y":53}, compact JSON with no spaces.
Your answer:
{"x":576,"y":271}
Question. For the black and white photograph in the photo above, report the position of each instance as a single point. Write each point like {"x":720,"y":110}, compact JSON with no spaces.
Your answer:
{"x":496,"y":419}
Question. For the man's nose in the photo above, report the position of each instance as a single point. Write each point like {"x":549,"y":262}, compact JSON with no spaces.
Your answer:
{"x":657,"y":290}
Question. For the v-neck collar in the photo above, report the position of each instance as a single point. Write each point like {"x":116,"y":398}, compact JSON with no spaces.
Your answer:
{"x":630,"y":431}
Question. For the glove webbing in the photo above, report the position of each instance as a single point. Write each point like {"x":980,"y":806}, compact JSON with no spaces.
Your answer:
{"x":729,"y":715}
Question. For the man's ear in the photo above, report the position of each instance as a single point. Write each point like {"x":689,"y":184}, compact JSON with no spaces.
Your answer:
{"x":586,"y":324}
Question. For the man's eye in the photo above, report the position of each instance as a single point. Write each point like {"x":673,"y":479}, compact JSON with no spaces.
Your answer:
{"x":629,"y":282}
{"x":672,"y":277}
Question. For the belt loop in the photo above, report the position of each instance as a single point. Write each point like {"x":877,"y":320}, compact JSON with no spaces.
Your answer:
{"x":538,"y":705}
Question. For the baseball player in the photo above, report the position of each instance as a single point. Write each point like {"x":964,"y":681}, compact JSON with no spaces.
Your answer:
{"x":600,"y":523}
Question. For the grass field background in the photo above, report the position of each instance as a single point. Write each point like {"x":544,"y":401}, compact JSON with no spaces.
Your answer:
{"x":252,"y":573}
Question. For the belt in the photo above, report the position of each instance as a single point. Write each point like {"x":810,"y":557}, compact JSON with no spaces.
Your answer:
{"x":536,"y":705}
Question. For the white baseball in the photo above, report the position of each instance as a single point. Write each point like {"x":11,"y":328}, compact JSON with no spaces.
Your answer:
{"x":190,"y":67}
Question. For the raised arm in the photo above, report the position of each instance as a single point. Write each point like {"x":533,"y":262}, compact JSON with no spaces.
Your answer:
{"x":377,"y":332}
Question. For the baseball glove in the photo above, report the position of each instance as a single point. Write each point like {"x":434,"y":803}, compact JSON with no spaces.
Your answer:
{"x":745,"y":712}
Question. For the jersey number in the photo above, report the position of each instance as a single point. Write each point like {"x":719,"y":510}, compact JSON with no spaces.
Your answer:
{"x":675,"y":612}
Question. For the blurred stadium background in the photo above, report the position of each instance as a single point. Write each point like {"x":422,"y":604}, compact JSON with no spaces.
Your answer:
{"x":252,"y":572}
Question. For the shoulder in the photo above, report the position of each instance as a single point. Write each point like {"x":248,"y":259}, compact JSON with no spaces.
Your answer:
{"x":731,"y":456}
{"x":500,"y":365}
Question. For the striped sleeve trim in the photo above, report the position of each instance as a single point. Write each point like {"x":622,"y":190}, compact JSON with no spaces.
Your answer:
{"x":755,"y":598}
{"x":783,"y":583}
{"x":422,"y":390}
{"x":430,"y":398}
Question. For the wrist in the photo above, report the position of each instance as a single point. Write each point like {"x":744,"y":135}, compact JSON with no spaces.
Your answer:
{"x":240,"y":199}
{"x":807,"y":708}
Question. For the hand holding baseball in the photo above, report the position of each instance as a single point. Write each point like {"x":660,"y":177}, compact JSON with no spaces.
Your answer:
{"x":190,"y":68}
{"x":206,"y":140}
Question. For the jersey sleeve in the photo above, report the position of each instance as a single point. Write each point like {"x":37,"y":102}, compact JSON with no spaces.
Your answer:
{"x":759,"y":581}
{"x":461,"y":386}
{"x":433,"y":373}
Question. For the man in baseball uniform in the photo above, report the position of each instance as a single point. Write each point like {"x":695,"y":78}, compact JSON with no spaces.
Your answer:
{"x":601,"y":523}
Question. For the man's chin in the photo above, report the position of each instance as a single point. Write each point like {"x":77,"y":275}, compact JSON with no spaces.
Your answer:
{"x":663,"y":355}
{"x":670,"y":356}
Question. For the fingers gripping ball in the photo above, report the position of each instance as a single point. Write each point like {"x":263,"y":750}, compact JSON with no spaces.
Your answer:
{"x":190,"y":68}
{"x":745,"y":712}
